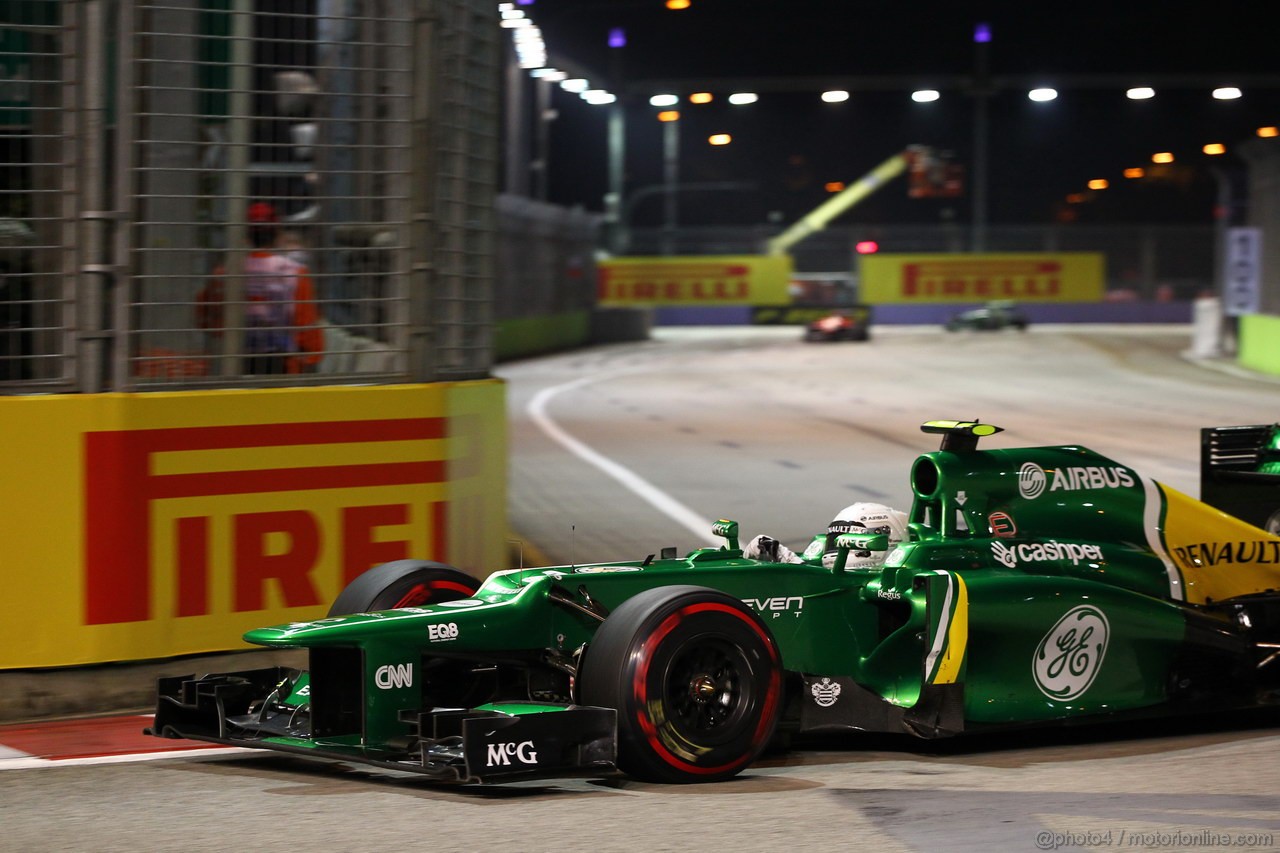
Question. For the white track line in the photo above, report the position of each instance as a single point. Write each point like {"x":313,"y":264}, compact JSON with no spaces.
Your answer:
{"x":651,"y":494}
{"x":34,"y":763}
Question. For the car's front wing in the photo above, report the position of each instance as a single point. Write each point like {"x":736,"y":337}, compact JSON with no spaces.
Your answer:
{"x":489,"y":744}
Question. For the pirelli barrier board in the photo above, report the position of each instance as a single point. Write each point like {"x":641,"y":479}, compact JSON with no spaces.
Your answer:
{"x":141,"y":526}
{"x":1023,"y":277}
{"x":695,"y":280}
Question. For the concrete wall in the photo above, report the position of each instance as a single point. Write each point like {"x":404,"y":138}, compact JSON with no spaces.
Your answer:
{"x":1258,"y":337}
{"x":1259,"y":343}
{"x":521,"y":337}
{"x":527,"y":336}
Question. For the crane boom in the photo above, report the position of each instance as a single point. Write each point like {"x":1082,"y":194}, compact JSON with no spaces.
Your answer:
{"x":819,"y":217}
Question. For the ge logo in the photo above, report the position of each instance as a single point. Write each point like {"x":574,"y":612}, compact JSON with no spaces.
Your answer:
{"x":1031,"y":480}
{"x":1070,"y":655}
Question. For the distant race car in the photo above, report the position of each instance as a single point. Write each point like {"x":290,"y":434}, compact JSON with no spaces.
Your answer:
{"x":990,"y":317}
{"x":846,"y":324}
{"x":1039,"y":586}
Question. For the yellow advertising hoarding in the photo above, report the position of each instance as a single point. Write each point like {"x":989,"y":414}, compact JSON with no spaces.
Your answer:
{"x":695,"y":280}
{"x":1022,"y":277}
{"x":149,"y":525}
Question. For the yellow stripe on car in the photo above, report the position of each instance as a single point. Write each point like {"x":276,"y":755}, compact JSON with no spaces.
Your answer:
{"x":952,"y":658}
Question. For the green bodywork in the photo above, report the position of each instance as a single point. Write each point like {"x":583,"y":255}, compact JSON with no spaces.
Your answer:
{"x":1033,"y":589}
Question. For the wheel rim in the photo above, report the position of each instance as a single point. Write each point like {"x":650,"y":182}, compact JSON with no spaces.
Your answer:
{"x":419,"y":594}
{"x":428,"y":592}
{"x":706,"y":686}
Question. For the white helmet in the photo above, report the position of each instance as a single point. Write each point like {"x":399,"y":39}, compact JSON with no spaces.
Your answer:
{"x":865,"y":517}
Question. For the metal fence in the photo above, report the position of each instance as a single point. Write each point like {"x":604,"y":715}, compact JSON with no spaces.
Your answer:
{"x":205,"y":192}
{"x":546,"y":258}
{"x":36,"y":65}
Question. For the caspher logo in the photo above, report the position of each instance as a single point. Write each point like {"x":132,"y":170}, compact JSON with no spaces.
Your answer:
{"x":1039,"y":552}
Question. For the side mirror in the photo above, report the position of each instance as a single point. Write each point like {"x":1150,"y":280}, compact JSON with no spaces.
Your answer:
{"x":727,"y":530}
{"x":847,"y":542}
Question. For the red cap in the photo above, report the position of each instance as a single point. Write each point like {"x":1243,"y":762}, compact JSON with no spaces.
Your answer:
{"x":260,"y":212}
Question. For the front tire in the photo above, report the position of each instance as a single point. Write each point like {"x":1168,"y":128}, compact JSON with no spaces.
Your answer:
{"x":403,"y":583}
{"x":696,"y":679}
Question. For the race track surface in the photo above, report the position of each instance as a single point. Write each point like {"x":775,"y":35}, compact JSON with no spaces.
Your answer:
{"x":618,"y":451}
{"x":757,"y":426}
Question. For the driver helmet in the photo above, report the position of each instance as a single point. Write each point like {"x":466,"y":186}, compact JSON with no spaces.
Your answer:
{"x":865,"y":517}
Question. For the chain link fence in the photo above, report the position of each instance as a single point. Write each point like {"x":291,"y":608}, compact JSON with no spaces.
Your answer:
{"x":36,"y":67}
{"x":547,"y":257}
{"x":199,"y":193}
{"x":251,"y":192}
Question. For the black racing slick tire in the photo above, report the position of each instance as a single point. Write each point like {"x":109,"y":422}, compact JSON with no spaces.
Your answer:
{"x":403,"y":583}
{"x":1272,"y":524}
{"x":696,"y":679}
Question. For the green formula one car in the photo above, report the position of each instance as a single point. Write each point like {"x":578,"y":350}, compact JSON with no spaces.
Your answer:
{"x":1037,"y":586}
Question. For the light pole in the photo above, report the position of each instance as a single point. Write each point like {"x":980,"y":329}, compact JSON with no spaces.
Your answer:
{"x":981,"y":94}
{"x":617,"y":146}
{"x":617,"y":154}
{"x":670,"y":178}
{"x":542,"y":141}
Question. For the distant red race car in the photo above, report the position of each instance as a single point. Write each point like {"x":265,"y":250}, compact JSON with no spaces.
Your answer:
{"x":841,"y":325}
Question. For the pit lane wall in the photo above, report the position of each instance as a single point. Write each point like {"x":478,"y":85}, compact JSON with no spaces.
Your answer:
{"x":141,"y":526}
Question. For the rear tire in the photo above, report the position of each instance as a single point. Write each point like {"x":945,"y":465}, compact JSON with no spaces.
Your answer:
{"x":403,"y":583}
{"x":1272,"y":524}
{"x":696,"y":679}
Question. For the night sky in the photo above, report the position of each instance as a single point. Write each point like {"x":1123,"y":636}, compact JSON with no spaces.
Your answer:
{"x":791,"y":143}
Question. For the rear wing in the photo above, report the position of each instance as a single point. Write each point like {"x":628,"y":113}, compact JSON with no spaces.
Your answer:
{"x":1236,"y":472}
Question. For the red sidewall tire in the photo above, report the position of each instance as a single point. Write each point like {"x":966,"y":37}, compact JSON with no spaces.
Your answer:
{"x":696,"y":679}
{"x":403,"y":583}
